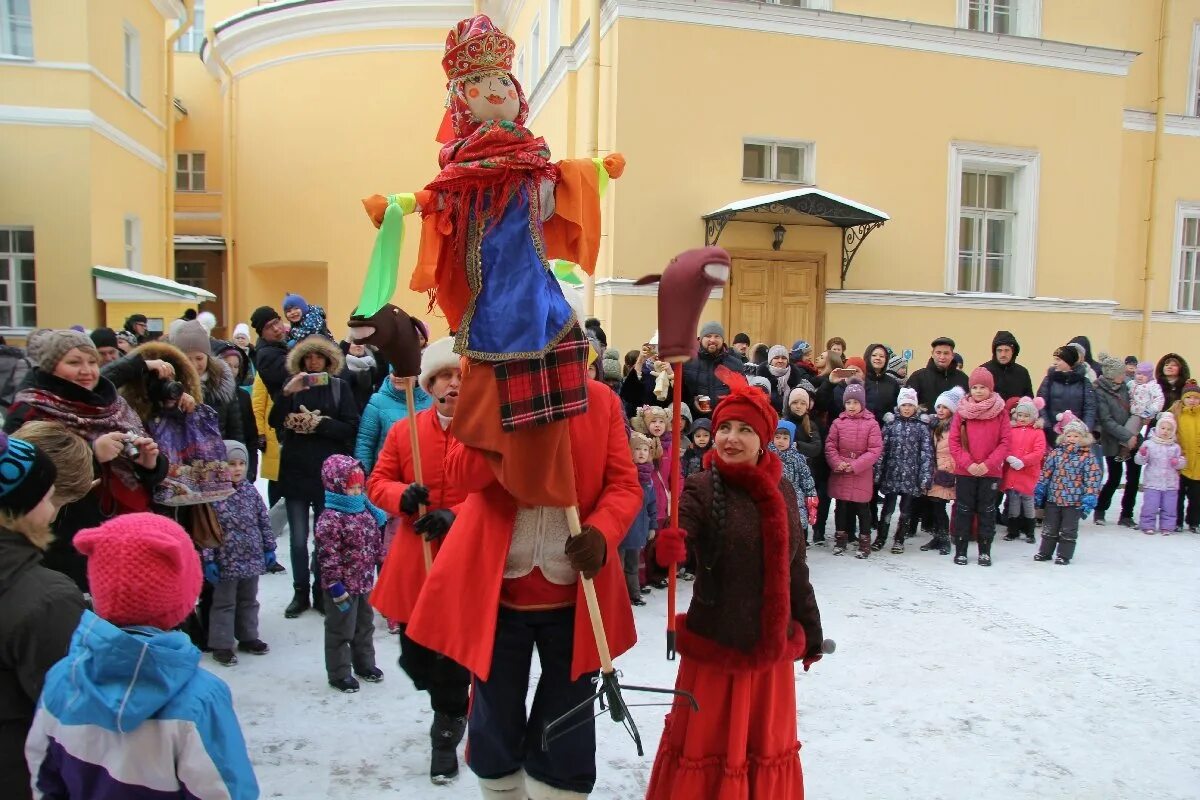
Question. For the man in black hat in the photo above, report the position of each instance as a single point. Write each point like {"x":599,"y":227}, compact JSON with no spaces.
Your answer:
{"x":105,"y":340}
{"x":270,"y":353}
{"x":741,"y":346}
{"x":939,"y":375}
{"x":1012,"y":379}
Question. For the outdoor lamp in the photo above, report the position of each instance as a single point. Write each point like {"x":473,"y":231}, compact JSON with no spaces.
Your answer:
{"x":779,"y":232}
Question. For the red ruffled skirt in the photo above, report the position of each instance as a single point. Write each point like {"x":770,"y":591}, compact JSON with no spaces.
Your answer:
{"x":740,"y":745}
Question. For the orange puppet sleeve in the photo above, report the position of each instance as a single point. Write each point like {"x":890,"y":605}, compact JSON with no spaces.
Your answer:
{"x":573,"y":233}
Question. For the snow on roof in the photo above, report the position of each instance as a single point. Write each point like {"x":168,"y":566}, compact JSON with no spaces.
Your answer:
{"x":780,"y":197}
{"x":153,"y":283}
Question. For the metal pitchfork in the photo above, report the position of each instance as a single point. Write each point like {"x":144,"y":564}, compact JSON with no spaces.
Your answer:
{"x":608,"y":686}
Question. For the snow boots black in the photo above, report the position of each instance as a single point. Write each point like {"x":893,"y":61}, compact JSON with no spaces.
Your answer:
{"x":445,"y":734}
{"x":298,"y":605}
{"x":881,"y":532}
{"x":905,"y":528}
{"x":960,"y":550}
{"x":985,"y":551}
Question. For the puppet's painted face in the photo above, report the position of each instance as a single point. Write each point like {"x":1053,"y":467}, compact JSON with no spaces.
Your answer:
{"x":492,"y":97}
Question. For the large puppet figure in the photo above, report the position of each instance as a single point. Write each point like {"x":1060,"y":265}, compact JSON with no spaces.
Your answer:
{"x":493,"y":220}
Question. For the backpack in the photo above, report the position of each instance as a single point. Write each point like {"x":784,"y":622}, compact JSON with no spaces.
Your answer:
{"x":192,"y":443}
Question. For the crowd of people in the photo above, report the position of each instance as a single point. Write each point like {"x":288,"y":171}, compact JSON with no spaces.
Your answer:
{"x":99,"y":560}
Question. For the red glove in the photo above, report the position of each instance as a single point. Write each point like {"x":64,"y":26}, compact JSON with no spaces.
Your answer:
{"x":809,"y":660}
{"x":812,"y":503}
{"x":669,"y":547}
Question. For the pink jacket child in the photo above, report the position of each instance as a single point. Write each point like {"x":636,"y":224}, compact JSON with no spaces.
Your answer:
{"x":854,"y":439}
{"x":1027,"y":447}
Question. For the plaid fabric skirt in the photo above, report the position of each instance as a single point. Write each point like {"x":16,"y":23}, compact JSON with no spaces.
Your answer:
{"x":535,"y":391}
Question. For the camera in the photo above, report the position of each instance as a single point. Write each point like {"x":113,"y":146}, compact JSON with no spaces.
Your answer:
{"x":129,"y":449}
{"x":162,"y":391}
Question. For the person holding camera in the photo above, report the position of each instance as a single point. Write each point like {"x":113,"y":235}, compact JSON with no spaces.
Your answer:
{"x":68,"y":387}
{"x":317,"y":417}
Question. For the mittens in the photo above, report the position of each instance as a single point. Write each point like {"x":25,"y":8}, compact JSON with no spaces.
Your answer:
{"x":269,"y":559}
{"x":414,"y":496}
{"x":1088,"y":504}
{"x":340,"y":597}
{"x":812,"y":504}
{"x":1015,"y":463}
{"x":587,"y":551}
{"x":1039,"y":495}
{"x":670,"y":547}
{"x":212,"y":573}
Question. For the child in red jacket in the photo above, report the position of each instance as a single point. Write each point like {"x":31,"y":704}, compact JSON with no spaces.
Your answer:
{"x":1023,"y":466}
{"x":979,"y":442}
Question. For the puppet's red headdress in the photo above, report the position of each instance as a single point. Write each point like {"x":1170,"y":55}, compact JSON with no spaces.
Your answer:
{"x":476,"y":46}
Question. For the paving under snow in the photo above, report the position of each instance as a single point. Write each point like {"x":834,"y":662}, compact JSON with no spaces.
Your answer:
{"x":1019,"y":681}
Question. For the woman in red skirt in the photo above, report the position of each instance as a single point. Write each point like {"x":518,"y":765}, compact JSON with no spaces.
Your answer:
{"x":752,"y":615}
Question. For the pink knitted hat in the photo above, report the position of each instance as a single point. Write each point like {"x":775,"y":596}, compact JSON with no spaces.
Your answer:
{"x":143,"y":570}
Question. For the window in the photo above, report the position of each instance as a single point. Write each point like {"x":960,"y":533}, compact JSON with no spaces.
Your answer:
{"x":552,"y":25}
{"x":816,"y":5}
{"x":18,"y":293}
{"x":133,"y":63}
{"x":993,"y":224}
{"x":133,"y":244}
{"x":190,"y":273}
{"x":777,"y":161}
{"x":1194,"y":82}
{"x":1186,"y":269}
{"x":1015,"y":17}
{"x":535,"y":43}
{"x":16,"y":29}
{"x":189,"y":172}
{"x":193,"y":37}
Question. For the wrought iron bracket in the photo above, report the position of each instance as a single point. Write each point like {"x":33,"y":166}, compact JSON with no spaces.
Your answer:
{"x":852,"y":239}
{"x":713,"y":228}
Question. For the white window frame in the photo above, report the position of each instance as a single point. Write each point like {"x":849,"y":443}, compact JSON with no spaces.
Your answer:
{"x":191,"y":171}
{"x":14,"y":279}
{"x":553,"y":26}
{"x":1025,"y":166}
{"x":535,"y":60}
{"x":811,"y":5}
{"x":132,"y":51}
{"x":132,"y":236}
{"x":1193,"y":95}
{"x":193,"y":37}
{"x":185,"y":280}
{"x":1027,"y":21}
{"x":8,"y":38}
{"x":1184,"y":210}
{"x":808,"y":160}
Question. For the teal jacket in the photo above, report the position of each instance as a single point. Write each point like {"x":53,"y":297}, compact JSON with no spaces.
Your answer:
{"x":386,"y":408}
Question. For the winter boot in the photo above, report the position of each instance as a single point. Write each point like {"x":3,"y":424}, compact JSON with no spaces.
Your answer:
{"x":1046,"y":549}
{"x":1027,"y":529}
{"x":902,"y":529}
{"x":1013,"y":524}
{"x":318,"y":600}
{"x":540,"y":791}
{"x":864,"y":545}
{"x":960,"y":550}
{"x":840,"y":540}
{"x":298,"y":605}
{"x":985,"y":551}
{"x":934,"y":543}
{"x":1066,"y":551}
{"x":818,"y":538}
{"x":445,"y":734}
{"x":944,"y":543}
{"x":510,"y":787}
{"x":881,"y":532}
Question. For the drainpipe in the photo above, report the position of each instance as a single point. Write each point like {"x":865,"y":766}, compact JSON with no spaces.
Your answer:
{"x":229,"y":195}
{"x":1151,"y":216}
{"x":589,"y":283}
{"x":169,"y":143}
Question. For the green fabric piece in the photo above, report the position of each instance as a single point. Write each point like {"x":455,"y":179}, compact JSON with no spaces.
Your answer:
{"x":565,"y":271}
{"x":380,"y":283}
{"x":601,"y":174}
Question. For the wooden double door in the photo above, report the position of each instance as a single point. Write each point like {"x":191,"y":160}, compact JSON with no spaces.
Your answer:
{"x":776,"y":298}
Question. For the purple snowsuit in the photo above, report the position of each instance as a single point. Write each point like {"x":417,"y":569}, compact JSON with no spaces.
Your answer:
{"x":1160,"y":484}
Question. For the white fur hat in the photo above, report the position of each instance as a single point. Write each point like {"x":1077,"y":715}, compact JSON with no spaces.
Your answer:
{"x":439,"y":355}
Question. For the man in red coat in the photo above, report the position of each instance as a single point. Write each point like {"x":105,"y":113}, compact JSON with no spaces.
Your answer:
{"x":393,"y":488}
{"x":507,"y":580}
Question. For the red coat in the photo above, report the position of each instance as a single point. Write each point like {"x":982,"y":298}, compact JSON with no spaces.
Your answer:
{"x":988,"y":440}
{"x":856,"y":440}
{"x":403,"y":572}
{"x":456,"y":612}
{"x":1027,"y":443}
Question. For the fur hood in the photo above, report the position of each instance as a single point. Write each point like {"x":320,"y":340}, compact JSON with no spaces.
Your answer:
{"x":134,"y":392}
{"x":315,"y":344}
{"x":218,"y":382}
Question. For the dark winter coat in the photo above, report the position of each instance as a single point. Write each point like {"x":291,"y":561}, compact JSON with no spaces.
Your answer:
{"x":637,"y":390}
{"x":363,"y":375}
{"x":271,"y":361}
{"x":883,"y":388}
{"x":692,"y":460}
{"x":302,"y":454}
{"x":906,"y":466}
{"x":1112,"y":412}
{"x":1086,"y":343}
{"x":14,"y":366}
{"x":700,"y":377}
{"x":811,"y":445}
{"x":797,"y":473}
{"x":932,"y":381}
{"x":779,"y":399}
{"x":752,"y":602}
{"x":248,"y":534}
{"x":217,"y":388}
{"x":249,"y":431}
{"x":1172,"y":392}
{"x":856,"y":440}
{"x":39,"y":610}
{"x":1067,"y":391}
{"x":647,"y":518}
{"x":1012,"y":379}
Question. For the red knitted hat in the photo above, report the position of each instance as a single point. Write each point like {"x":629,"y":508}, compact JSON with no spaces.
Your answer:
{"x":143,"y":570}
{"x":745,"y":403}
{"x":981,"y":377}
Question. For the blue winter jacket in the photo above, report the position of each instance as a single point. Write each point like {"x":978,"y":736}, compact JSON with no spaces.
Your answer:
{"x":129,"y":715}
{"x":647,"y":517}
{"x":385,"y":409}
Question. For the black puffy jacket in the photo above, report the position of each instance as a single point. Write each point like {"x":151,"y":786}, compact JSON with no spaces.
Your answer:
{"x":1012,"y":379}
{"x":933,"y":380}
{"x":700,"y":377}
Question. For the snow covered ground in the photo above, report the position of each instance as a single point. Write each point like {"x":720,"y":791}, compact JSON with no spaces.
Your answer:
{"x":1020,"y":681}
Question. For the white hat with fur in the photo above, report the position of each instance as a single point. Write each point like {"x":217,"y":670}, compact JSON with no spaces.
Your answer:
{"x":439,"y":355}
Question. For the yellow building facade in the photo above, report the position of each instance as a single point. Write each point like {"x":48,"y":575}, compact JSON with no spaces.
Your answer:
{"x":1013,"y":150}
{"x":84,"y":116}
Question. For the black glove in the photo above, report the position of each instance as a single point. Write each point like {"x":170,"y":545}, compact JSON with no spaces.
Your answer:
{"x":415,"y":495}
{"x":262,"y":444}
{"x":435,"y":524}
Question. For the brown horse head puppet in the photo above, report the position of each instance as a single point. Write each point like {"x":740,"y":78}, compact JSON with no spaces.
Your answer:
{"x":394,"y":333}
{"x":683,"y":289}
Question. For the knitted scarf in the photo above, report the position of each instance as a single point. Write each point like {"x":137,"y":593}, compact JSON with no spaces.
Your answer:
{"x":781,"y":379}
{"x":645,"y":472}
{"x":989,"y":408}
{"x":353,"y":504}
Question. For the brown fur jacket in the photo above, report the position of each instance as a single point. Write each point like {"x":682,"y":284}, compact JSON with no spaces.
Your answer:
{"x":216,"y":388}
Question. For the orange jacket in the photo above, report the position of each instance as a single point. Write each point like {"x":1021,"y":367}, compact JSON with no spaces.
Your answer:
{"x":456,"y":612}
{"x":403,"y":572}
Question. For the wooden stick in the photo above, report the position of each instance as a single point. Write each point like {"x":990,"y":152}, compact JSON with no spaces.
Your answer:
{"x":676,"y":455}
{"x":593,"y":605}
{"x":416,"y":457}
